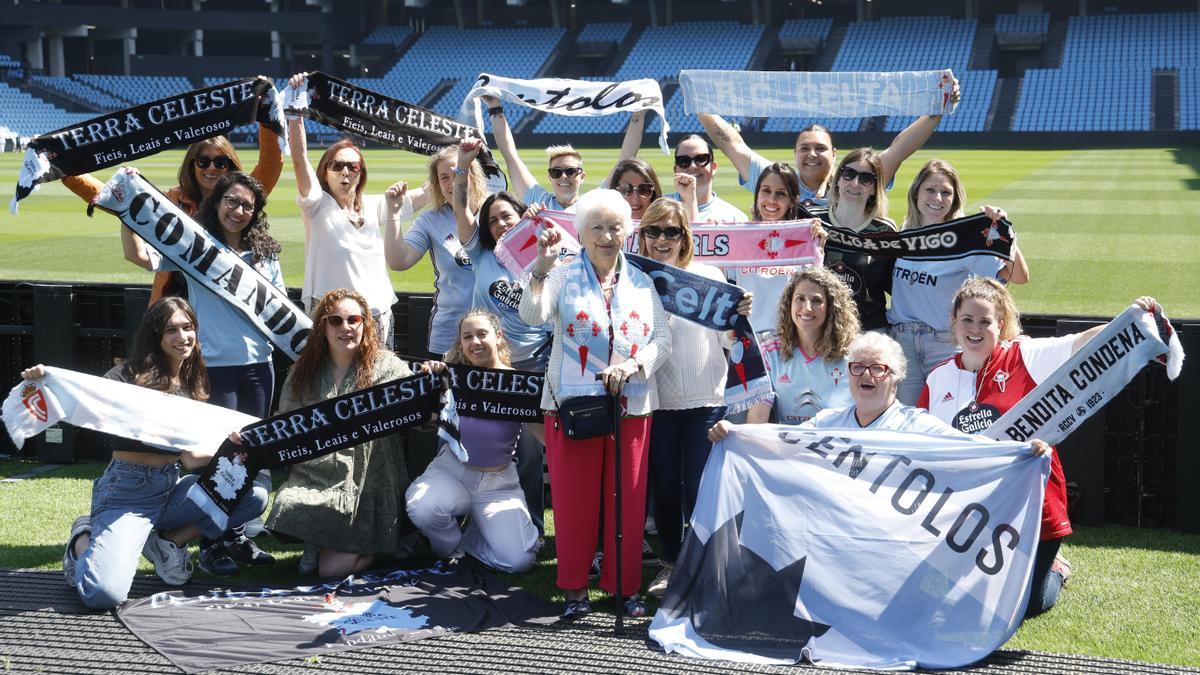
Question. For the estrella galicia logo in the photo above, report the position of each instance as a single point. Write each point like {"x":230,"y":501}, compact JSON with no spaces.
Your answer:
{"x":507,"y":294}
{"x":975,"y":418}
{"x":456,"y":249}
{"x":849,"y":276}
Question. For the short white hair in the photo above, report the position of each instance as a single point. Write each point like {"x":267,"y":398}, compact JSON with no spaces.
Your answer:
{"x":603,"y":200}
{"x":887,"y":349}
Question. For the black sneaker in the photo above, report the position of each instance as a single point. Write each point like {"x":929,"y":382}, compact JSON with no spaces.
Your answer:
{"x":243,"y":550}
{"x":214,"y":559}
{"x":576,"y":609}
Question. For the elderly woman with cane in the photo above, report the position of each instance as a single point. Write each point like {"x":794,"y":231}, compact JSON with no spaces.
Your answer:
{"x":610,"y":332}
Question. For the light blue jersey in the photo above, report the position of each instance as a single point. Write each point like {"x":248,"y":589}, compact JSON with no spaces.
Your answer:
{"x":716,"y":210}
{"x":758,"y":163}
{"x":898,"y":417}
{"x":923,"y":290}
{"x":805,"y":385}
{"x":497,"y":291}
{"x":227,"y":337}
{"x":453,"y":276}
{"x":536,"y":194}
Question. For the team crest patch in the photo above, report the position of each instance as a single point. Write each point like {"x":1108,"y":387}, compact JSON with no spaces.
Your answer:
{"x":774,"y":244}
{"x":837,"y":375}
{"x":35,"y":403}
{"x":1000,"y":378}
{"x":992,"y":233}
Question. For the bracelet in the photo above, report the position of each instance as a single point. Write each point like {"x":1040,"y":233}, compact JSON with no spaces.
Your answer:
{"x":458,"y":171}
{"x":495,"y":111}
{"x":539,"y":277}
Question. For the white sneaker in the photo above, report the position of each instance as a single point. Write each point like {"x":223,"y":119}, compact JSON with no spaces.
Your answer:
{"x":658,"y":587}
{"x":172,"y":564}
{"x":81,"y":526}
{"x":309,"y":559}
{"x":253,"y":528}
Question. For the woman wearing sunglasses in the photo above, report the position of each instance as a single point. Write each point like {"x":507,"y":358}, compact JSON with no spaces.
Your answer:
{"x":858,"y":202}
{"x":458,"y":179}
{"x":690,"y":384}
{"x":638,"y":184}
{"x":204,"y":163}
{"x":345,"y":504}
{"x":343,"y":242}
{"x":923,"y":289}
{"x":241,"y":375}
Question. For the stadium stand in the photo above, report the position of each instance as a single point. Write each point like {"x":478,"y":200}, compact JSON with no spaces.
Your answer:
{"x":660,"y":53}
{"x":1108,"y":62}
{"x":604,"y":32}
{"x":794,"y":29}
{"x":388,"y":35}
{"x":27,"y":116}
{"x":80,"y":92}
{"x":1189,"y":99}
{"x":972,"y":110}
{"x":135,"y":89}
{"x":1023,"y":23}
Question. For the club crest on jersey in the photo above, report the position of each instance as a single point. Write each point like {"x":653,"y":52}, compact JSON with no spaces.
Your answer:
{"x":1001,"y":378}
{"x":837,"y":375}
{"x":456,"y":249}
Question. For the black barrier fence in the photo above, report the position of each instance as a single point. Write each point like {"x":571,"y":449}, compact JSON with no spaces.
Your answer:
{"x":1133,"y":464}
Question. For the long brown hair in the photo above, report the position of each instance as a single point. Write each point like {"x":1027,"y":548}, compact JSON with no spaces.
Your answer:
{"x":477,"y":189}
{"x":642,"y":169}
{"x":255,"y":237}
{"x":934,"y":167}
{"x":147,"y":365}
{"x":187,"y":173}
{"x":327,"y":159}
{"x":841,"y":315}
{"x":791,"y":182}
{"x":877,"y":203}
{"x":985,"y":289}
{"x":305,"y":372}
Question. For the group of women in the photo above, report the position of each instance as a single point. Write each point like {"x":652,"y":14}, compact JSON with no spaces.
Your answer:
{"x":592,"y":324}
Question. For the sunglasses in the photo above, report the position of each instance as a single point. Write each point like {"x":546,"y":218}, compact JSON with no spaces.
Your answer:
{"x":643,"y":190}
{"x":864,"y":178}
{"x":220,"y":161}
{"x":337,"y":166}
{"x":671,"y":232}
{"x":557,"y":172}
{"x":336,"y":320}
{"x":684,"y":161}
{"x":233,"y":204}
{"x":877,"y":370}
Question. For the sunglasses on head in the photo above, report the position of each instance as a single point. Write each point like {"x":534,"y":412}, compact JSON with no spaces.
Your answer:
{"x":557,"y":172}
{"x":643,"y":190}
{"x":671,"y":232}
{"x":684,"y":161}
{"x":336,"y":320}
{"x":337,"y":166}
{"x":220,"y":161}
{"x":864,"y":178}
{"x":233,"y":204}
{"x":877,"y":370}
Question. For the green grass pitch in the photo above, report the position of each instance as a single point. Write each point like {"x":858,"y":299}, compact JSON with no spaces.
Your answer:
{"x":1099,"y":227}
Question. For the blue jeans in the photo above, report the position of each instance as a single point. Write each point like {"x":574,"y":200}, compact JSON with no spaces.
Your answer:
{"x":129,"y":502}
{"x":679,"y":448}
{"x":247,"y":388}
{"x":1046,"y":583}
{"x":924,"y":348}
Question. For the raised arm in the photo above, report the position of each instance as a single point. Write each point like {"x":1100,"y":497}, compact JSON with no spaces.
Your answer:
{"x":730,"y":142}
{"x":632,"y":141}
{"x":397,"y":253}
{"x":911,"y":139}
{"x":1016,"y":271}
{"x":135,"y":249}
{"x":468,"y":150}
{"x":306,"y":177}
{"x":1145,"y":302}
{"x":521,"y":178}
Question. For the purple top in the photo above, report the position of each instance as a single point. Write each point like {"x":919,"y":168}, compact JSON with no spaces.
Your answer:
{"x":489,"y":443}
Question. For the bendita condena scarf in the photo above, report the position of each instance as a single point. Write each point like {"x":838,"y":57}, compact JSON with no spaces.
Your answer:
{"x":591,"y":326}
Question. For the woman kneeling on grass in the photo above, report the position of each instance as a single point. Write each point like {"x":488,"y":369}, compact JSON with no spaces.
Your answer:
{"x":484,"y":484}
{"x":140,"y":504}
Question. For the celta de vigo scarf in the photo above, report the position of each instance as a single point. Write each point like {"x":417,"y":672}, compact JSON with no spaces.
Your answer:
{"x":591,"y":327}
{"x":169,"y":422}
{"x":579,"y":98}
{"x":183,"y":241}
{"x":1092,"y":377}
{"x":347,"y":107}
{"x":811,"y":94}
{"x":126,"y":135}
{"x":958,"y":238}
{"x":310,"y":432}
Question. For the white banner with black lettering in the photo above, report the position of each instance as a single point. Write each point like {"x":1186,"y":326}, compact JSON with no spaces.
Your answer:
{"x":855,"y":548}
{"x":1092,"y":377}
{"x":173,"y":233}
{"x":579,"y":98}
{"x":808,"y":94}
{"x":169,"y":422}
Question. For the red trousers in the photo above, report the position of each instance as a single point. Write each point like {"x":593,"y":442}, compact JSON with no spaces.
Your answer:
{"x":581,"y":477}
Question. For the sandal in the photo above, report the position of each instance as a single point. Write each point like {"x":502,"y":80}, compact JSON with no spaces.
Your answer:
{"x":575,"y":609}
{"x":635,"y":606}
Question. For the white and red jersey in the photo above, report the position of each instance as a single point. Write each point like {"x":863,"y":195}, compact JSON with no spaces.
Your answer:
{"x":973,"y":401}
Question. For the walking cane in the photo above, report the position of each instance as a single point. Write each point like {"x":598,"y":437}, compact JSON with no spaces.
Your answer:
{"x":618,"y":627}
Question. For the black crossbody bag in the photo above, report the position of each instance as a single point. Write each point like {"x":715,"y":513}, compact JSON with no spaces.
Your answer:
{"x":584,"y":417}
